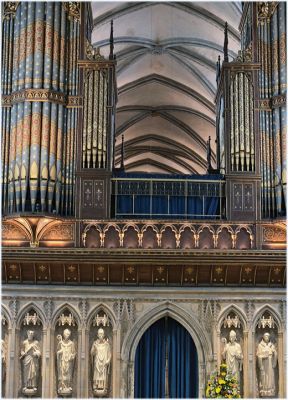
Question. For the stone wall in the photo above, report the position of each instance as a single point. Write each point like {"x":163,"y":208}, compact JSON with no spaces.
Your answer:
{"x":124,"y":314}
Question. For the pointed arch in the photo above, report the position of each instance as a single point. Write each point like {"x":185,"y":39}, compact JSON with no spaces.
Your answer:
{"x":272,"y":311}
{"x":235,"y":309}
{"x":62,"y":308}
{"x":26,"y":308}
{"x":6,"y":314}
{"x":188,"y":321}
{"x":106,"y":309}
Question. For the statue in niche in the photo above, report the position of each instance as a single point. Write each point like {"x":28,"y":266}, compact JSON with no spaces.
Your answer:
{"x":101,"y":358}
{"x":66,"y":354}
{"x":233,"y":356}
{"x":267,"y":361}
{"x":3,"y":359}
{"x":29,"y":355}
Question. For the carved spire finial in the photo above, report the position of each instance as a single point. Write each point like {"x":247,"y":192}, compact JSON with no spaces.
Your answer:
{"x":111,"y":56}
{"x":225,"y":48}
{"x":218,"y":69}
{"x":122,"y":153}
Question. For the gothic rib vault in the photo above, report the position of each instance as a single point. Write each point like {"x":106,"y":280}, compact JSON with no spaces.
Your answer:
{"x":166,"y":68}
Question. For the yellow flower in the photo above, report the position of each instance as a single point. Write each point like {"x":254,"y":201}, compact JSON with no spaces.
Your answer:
{"x":218,"y":389}
{"x":221,"y":381}
{"x":223,"y":373}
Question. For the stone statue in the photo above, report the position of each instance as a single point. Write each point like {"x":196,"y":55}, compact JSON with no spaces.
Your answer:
{"x":66,"y":354}
{"x":233,"y":356}
{"x":267,"y":361}
{"x":101,"y":358}
{"x":29,"y":355}
{"x":3,"y":359}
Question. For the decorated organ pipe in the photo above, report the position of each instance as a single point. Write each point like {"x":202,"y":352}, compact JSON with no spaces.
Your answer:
{"x":271,"y":51}
{"x":95,"y":115}
{"x":242,"y":153}
{"x":40,"y":101}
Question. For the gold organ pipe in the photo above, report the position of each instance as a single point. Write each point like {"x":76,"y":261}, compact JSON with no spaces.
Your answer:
{"x":95,"y":117}
{"x":246,"y":122}
{"x":236,"y":131}
{"x":232,"y":133}
{"x":100,"y":125}
{"x":251,"y":121}
{"x":84,"y":139}
{"x":241,"y":120}
{"x":89,"y":118}
{"x":105,"y":121}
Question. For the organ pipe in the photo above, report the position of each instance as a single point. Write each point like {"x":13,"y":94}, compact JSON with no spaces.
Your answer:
{"x":242,"y":123}
{"x":38,"y":152}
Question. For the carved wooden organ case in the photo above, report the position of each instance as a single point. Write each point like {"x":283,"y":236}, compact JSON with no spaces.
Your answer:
{"x":237,"y":135}
{"x":96,"y":129}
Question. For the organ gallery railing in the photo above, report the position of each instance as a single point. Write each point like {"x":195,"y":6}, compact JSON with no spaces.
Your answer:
{"x":164,"y":197}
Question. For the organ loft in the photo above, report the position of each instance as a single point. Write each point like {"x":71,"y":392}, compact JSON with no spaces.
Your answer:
{"x":143,"y":199}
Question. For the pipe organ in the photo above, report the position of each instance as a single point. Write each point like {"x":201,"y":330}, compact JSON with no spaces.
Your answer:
{"x":96,"y":132}
{"x":39,"y":94}
{"x":242,"y":140}
{"x":55,"y":96}
{"x":271,"y":53}
{"x":237,"y":133}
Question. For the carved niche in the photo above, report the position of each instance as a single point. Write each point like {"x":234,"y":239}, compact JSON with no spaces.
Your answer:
{"x":100,"y":357}
{"x":65,"y":342}
{"x":266,"y":345}
{"x":30,"y":355}
{"x":231,"y":334}
{"x":4,"y":349}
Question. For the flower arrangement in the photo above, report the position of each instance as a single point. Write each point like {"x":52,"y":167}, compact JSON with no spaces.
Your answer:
{"x":223,"y":385}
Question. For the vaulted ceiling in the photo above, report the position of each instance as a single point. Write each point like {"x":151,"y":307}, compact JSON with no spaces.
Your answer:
{"x":166,"y":61}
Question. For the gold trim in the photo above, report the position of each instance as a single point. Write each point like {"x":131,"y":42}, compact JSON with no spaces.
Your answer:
{"x":42,"y":95}
{"x":73,"y":9}
{"x":10,"y":8}
{"x":74,"y":102}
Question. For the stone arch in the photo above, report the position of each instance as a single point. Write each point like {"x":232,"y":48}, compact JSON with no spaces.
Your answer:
{"x":235,"y":309}
{"x":26,"y":308}
{"x":62,"y":308}
{"x":107,"y":310}
{"x":273,"y":312}
{"x":131,"y":341}
{"x":188,"y":321}
{"x":6,"y":314}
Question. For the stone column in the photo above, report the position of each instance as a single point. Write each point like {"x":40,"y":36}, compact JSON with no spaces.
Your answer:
{"x":217,"y":347}
{"x":11,"y":367}
{"x":280,"y":350}
{"x":79,"y":379}
{"x":252,"y":366}
{"x":245,"y":365}
{"x":202,"y":380}
{"x":45,"y":367}
{"x":51,"y":363}
{"x":116,"y":369}
{"x":83,"y":370}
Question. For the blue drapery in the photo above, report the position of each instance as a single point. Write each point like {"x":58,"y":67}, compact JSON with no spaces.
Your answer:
{"x":182,"y":362}
{"x":166,"y":338}
{"x":162,"y":206}
{"x":150,"y":363}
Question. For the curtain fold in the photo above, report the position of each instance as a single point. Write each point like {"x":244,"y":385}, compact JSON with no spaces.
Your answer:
{"x":166,"y":339}
{"x":182,"y":362}
{"x":150,"y":363}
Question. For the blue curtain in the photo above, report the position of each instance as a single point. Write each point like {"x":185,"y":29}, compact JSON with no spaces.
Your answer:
{"x":182,"y":362}
{"x":158,"y":207}
{"x":150,"y":363}
{"x":166,"y":338}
